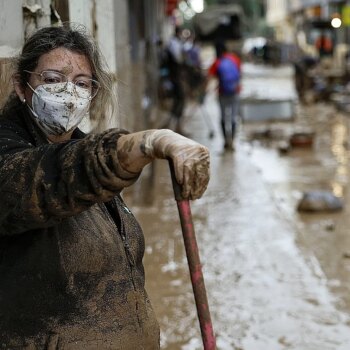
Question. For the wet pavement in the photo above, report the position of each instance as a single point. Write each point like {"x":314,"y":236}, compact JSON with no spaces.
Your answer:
{"x":275,"y":278}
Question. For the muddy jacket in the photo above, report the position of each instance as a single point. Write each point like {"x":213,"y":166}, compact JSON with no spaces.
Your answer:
{"x":71,"y":273}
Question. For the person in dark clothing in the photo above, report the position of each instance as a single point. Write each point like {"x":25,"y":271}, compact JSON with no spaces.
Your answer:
{"x":70,"y":249}
{"x":193,"y":66}
{"x":175,"y":61}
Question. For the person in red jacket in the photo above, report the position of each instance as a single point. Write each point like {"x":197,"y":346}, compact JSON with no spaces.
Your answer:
{"x":227,"y":69}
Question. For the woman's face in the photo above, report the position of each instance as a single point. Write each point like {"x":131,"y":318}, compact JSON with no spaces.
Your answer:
{"x":72,"y":64}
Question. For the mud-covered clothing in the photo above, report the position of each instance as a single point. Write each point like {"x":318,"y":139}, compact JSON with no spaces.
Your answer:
{"x":71,"y":273}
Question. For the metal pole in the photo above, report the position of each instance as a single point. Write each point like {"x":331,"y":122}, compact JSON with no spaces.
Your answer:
{"x":195,"y":266}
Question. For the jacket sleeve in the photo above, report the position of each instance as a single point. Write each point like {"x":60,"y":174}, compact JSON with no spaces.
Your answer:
{"x":39,"y":186}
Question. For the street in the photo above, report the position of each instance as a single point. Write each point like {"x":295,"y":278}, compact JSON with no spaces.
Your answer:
{"x":273,"y":226}
{"x":275,"y":278}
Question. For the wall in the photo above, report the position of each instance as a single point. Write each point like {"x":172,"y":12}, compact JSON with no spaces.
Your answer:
{"x":276,"y":11}
{"x":126,"y":94}
{"x":80,"y":12}
{"x":11,"y":25}
{"x":11,"y":40}
{"x":277,"y":17}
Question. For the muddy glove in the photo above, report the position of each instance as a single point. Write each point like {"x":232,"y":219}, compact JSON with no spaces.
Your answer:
{"x":190,"y":159}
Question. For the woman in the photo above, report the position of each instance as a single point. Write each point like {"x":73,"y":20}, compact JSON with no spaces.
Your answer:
{"x":70,"y":250}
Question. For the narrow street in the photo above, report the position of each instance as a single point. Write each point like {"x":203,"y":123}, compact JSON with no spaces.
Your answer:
{"x":275,"y":278}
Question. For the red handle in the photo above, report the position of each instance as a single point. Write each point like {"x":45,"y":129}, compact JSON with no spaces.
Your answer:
{"x":195,"y":266}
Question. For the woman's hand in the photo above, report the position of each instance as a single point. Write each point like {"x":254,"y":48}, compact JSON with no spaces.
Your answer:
{"x":190,"y":159}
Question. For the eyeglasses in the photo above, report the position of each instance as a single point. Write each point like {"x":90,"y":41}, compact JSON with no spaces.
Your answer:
{"x":88,"y":87}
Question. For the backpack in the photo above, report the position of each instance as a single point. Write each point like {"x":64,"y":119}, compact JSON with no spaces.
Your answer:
{"x":228,"y":75}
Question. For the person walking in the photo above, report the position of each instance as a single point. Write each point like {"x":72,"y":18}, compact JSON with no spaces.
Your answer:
{"x":227,"y":69}
{"x":194,"y":76}
{"x":71,"y":251}
{"x":175,"y":62}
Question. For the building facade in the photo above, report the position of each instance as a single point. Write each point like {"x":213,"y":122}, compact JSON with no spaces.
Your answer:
{"x":302,"y":22}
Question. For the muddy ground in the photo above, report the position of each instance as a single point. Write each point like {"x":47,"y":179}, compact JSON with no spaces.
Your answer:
{"x":276,"y":278}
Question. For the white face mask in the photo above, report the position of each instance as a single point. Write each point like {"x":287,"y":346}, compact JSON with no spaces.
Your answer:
{"x":57,"y":113}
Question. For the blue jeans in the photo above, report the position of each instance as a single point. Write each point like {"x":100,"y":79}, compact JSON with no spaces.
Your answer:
{"x":229,"y":110}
